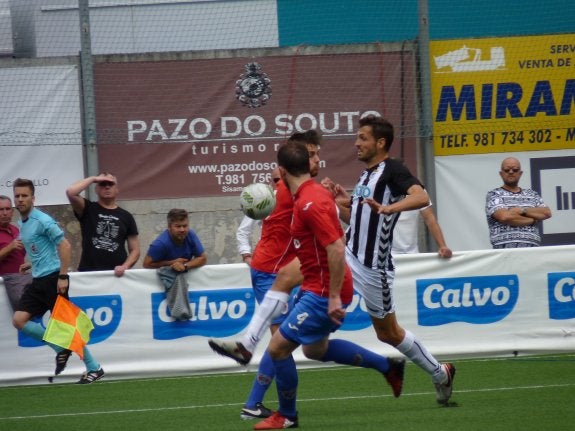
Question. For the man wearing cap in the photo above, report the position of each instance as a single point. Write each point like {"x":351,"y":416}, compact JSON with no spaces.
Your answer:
{"x":106,"y":228}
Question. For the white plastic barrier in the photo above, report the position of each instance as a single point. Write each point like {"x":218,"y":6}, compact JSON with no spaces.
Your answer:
{"x":478,"y":303}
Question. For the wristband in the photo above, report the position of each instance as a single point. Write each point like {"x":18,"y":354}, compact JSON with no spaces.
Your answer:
{"x":523,"y":212}
{"x":63,"y":277}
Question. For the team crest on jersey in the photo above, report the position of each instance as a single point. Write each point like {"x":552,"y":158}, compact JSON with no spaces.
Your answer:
{"x":253,"y":88}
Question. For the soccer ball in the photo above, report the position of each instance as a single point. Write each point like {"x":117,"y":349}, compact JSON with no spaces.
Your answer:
{"x":257,"y":200}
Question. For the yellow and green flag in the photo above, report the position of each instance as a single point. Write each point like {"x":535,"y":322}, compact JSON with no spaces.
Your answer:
{"x":69,"y":327}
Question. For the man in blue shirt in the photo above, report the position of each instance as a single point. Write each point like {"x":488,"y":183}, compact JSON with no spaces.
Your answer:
{"x":173,"y":253}
{"x":49,"y":253}
{"x":177,"y":247}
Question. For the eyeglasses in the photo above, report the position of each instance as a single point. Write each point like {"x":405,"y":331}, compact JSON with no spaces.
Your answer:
{"x":275,"y":180}
{"x":511,"y":170}
{"x":106,"y":184}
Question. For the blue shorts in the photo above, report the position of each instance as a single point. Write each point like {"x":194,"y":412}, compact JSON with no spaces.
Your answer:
{"x":308,"y":321}
{"x":261,"y":283}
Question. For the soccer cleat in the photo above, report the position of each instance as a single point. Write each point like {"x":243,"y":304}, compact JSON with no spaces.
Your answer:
{"x":443,"y":390}
{"x":232,"y":349}
{"x":259,"y":412}
{"x":91,"y":376}
{"x":394,"y":376}
{"x":62,"y":360}
{"x":276,"y":422}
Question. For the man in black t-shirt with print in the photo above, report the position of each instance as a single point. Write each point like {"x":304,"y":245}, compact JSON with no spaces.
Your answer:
{"x":106,"y":228}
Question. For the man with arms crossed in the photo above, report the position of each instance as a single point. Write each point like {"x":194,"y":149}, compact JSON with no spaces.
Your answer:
{"x":49,"y":253}
{"x":513,"y":213}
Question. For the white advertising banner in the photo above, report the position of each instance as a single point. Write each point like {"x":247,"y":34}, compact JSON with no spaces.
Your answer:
{"x":478,"y":303}
{"x":463,"y":182}
{"x":40,"y":132}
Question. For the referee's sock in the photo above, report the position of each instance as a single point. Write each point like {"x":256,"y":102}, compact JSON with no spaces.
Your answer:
{"x":36,"y":331}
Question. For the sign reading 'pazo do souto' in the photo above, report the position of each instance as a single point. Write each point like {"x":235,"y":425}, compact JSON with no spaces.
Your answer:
{"x":211,"y":127}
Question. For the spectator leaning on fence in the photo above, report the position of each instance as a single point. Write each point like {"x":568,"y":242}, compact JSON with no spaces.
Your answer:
{"x":106,"y":228}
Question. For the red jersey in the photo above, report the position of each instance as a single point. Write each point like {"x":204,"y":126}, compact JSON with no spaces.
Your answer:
{"x":273,"y":249}
{"x":315,"y":225}
{"x":11,"y":263}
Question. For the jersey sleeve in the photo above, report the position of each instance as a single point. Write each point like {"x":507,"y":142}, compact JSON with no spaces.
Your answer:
{"x":401,"y":178}
{"x":53,"y":231}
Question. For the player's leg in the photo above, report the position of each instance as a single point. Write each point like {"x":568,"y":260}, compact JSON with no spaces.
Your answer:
{"x":273,"y":305}
{"x":376,"y":288}
{"x":280,"y":350}
{"x":348,"y":353}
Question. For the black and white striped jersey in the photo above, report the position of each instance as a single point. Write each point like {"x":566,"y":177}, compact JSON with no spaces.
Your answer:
{"x":369,"y":235}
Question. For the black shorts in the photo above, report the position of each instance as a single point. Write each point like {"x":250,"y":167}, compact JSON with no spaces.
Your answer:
{"x":41,"y":295}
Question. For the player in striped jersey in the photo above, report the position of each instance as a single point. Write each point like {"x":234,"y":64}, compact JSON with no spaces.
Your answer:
{"x":385,"y":189}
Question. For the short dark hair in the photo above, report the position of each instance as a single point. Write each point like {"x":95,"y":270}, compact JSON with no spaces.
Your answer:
{"x":176,"y":214}
{"x":23,"y":182}
{"x":380,"y":128}
{"x":293,"y":156}
{"x":309,"y":137}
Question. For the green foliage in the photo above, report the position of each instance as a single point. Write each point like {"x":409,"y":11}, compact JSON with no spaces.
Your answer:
{"x":524,"y":393}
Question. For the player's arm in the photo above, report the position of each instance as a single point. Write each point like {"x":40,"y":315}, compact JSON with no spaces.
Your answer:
{"x":431,"y":222}
{"x":243,"y":238}
{"x":415,"y":198}
{"x":288,"y":277}
{"x":336,"y":264}
{"x":342,"y":199}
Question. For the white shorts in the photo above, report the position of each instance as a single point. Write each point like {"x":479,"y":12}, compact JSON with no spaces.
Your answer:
{"x":374,"y":285}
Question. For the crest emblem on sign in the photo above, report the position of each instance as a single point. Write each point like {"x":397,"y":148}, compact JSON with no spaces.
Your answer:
{"x":253,"y":88}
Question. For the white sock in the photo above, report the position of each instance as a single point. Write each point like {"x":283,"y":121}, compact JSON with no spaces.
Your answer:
{"x":411,"y":347}
{"x":272,"y":306}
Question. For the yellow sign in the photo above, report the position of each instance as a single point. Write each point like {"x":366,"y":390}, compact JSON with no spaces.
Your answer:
{"x":503,"y":94}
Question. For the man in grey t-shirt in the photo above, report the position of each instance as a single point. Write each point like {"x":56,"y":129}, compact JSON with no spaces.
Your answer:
{"x":513,"y":214}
